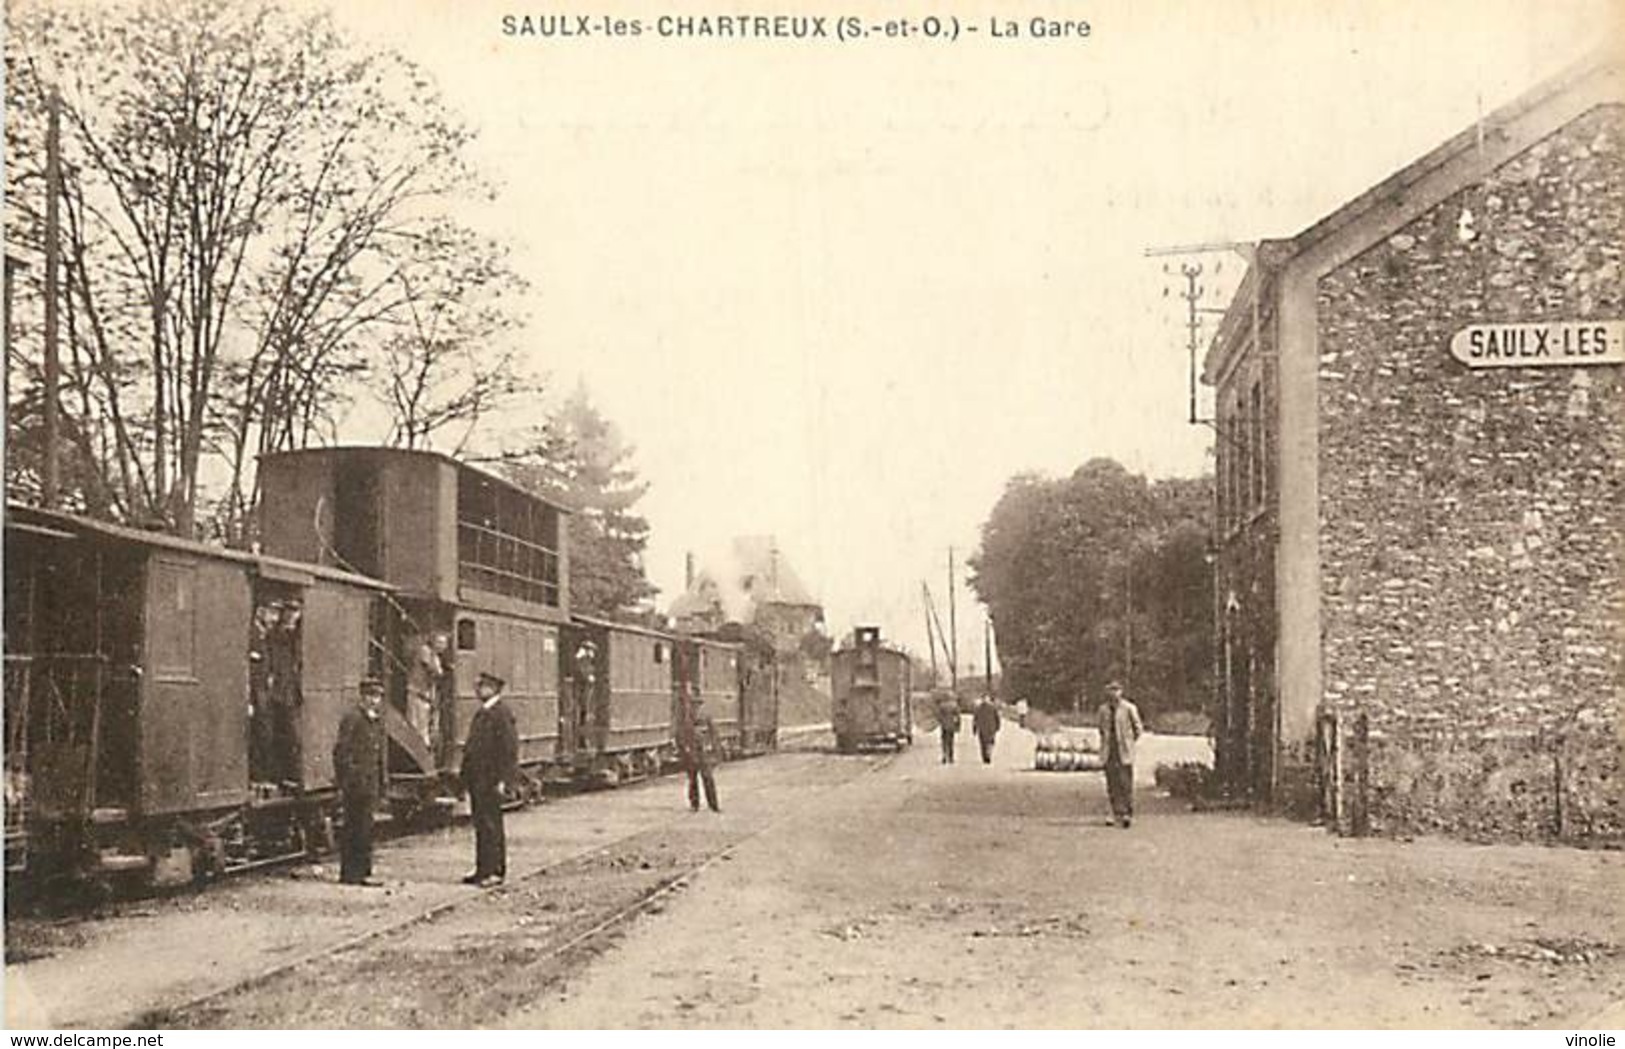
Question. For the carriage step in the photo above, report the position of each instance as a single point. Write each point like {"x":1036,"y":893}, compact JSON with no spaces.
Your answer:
{"x":112,"y":862}
{"x":109,"y":816}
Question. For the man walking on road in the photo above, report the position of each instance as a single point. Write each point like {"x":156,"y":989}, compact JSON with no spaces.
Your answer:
{"x":985,"y":723}
{"x":358,"y":763}
{"x":1120,"y":730}
{"x":490,"y":762}
{"x":698,"y":747}
{"x":947,"y":723}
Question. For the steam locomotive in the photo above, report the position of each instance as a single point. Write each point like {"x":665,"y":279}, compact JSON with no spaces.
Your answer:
{"x":871,"y":694}
{"x":171,"y":706}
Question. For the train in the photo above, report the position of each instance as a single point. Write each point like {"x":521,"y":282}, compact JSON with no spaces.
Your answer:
{"x":171,"y":705}
{"x":871,"y":694}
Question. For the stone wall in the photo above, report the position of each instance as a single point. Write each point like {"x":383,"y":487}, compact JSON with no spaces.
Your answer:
{"x":1471,"y":557}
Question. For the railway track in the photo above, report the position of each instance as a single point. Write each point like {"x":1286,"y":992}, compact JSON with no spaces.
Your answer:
{"x":545,"y":962}
{"x":67,"y":899}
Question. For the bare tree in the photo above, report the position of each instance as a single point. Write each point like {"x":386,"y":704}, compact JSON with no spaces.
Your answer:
{"x":246,"y":199}
{"x":450,"y":365}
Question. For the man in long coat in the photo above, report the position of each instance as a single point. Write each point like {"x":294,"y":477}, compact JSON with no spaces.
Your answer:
{"x":985,"y":723}
{"x":490,"y":761}
{"x":1120,"y":730}
{"x":358,"y":763}
{"x":947,"y":723}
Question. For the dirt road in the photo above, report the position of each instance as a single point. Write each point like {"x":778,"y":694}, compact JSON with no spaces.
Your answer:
{"x":876,"y":892}
{"x":967,"y":896}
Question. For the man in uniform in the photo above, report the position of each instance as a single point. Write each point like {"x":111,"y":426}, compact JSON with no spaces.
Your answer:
{"x":1120,"y":730}
{"x":947,"y":723}
{"x":490,"y":762}
{"x":358,"y":767}
{"x":697,"y":746}
{"x":985,"y":723}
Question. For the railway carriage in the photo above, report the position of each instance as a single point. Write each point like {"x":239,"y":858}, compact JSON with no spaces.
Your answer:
{"x":139,"y":667}
{"x":618,"y":700}
{"x":471,"y":557}
{"x":710,"y":669}
{"x":130,"y":700}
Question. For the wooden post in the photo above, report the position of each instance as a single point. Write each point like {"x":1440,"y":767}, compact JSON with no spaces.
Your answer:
{"x":930,"y":635}
{"x":953,"y":630}
{"x":987,"y":654}
{"x":53,"y":189}
{"x":1361,"y":821}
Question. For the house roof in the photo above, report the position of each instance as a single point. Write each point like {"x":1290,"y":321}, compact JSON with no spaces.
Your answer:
{"x":755,"y":574}
{"x":1271,"y":256}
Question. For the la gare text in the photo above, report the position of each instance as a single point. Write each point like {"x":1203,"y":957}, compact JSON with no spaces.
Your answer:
{"x":790,"y":27}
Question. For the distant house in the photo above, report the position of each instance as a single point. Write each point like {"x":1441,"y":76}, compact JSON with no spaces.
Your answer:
{"x":755,"y":587}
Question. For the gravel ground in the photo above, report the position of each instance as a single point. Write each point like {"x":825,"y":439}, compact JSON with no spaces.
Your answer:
{"x":133,"y":962}
{"x":875,"y":892}
{"x":997,"y":897}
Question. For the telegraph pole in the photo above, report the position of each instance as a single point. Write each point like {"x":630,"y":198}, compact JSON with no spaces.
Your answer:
{"x":53,"y":221}
{"x":987,"y":654}
{"x":953,"y":629}
{"x":930,"y":635}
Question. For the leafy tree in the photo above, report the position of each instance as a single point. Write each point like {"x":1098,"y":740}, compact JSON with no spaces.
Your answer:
{"x":1095,"y":576}
{"x":582,"y":458}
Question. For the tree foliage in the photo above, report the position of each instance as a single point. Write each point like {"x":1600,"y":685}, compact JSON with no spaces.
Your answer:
{"x":581,"y":457}
{"x":256,"y":216}
{"x":1096,"y":576}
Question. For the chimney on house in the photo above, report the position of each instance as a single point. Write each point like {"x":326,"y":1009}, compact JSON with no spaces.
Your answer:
{"x":688,"y":571}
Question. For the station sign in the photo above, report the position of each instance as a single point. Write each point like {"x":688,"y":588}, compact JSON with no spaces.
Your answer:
{"x":1541,"y":344}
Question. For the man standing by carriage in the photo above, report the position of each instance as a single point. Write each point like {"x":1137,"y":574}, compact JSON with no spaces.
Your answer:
{"x":698,"y":747}
{"x":358,"y":764}
{"x":490,"y":762}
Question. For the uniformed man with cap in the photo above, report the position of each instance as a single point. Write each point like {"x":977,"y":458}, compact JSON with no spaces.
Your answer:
{"x":358,"y":764}
{"x":698,"y":748}
{"x":490,"y":762}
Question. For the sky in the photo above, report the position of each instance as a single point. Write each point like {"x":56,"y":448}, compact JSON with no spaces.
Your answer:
{"x":841,"y":292}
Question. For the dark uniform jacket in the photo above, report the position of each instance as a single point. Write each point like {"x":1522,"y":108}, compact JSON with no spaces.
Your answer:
{"x":985,"y":721}
{"x":491,"y":752}
{"x":697,"y":737}
{"x":358,"y":754}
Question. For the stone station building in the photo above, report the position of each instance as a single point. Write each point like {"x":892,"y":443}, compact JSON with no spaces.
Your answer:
{"x":1421,"y":471}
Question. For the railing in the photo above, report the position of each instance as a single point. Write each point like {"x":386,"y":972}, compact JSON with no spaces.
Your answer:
{"x":505,"y":564}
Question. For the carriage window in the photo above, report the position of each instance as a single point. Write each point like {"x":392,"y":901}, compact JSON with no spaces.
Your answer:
{"x":660,"y":652}
{"x":507,"y":541}
{"x":172,"y":633}
{"x":467,"y":636}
